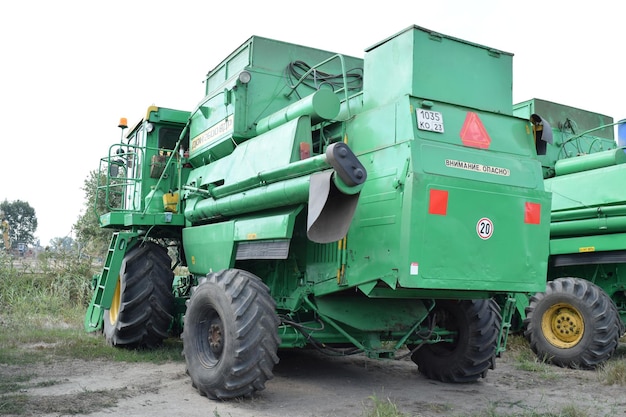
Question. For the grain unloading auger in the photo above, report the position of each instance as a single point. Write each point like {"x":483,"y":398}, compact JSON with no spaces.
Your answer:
{"x":321,"y":200}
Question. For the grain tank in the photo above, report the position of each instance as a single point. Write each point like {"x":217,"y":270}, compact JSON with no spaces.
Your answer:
{"x":376,"y":205}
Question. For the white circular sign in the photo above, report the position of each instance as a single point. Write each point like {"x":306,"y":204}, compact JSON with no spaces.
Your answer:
{"x":484,"y":228}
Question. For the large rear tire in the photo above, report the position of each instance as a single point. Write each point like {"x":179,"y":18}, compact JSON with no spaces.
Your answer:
{"x":143,"y":303}
{"x":230,"y":336}
{"x":472,"y":353}
{"x":573,"y":324}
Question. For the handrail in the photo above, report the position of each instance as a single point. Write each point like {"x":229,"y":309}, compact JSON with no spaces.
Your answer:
{"x":343,"y":73}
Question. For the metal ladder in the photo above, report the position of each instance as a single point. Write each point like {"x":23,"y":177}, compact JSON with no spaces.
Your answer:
{"x":107,"y":281}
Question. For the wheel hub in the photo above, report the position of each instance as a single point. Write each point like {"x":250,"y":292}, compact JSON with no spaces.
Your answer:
{"x":215,"y":338}
{"x":563,"y":325}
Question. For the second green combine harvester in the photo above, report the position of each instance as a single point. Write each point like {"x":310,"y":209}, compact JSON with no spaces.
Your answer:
{"x":321,"y":200}
{"x":578,"y":320}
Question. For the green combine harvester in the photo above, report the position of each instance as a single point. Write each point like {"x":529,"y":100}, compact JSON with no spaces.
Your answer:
{"x":578,"y":320}
{"x":317,"y":200}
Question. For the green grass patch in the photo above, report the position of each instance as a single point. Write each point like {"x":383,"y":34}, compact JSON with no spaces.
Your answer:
{"x":82,"y":403}
{"x":383,"y":408}
{"x":567,"y":411}
{"x":15,"y":404}
{"x":42,"y":317}
{"x":27,"y":344}
{"x":526,"y":360}
{"x":613,"y":372}
{"x":13,"y":383}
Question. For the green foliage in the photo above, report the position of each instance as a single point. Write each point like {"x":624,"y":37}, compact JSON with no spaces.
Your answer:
{"x":527,"y":360}
{"x":55,"y":284}
{"x":42,"y":313}
{"x":22,"y":221}
{"x":12,"y":383}
{"x":31,"y":343}
{"x":61,"y":244}
{"x":94,"y":239}
{"x":614,"y":372}
{"x":383,"y":408}
{"x":13,"y":404}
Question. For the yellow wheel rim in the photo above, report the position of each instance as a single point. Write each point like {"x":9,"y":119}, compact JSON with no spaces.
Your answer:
{"x":563,"y":325}
{"x":114,"y":311}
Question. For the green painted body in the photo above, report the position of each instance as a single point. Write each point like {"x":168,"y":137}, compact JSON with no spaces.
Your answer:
{"x":585,"y":171}
{"x":244,"y":166}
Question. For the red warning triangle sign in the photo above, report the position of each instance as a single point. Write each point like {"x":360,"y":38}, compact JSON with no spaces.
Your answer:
{"x":473,"y":133}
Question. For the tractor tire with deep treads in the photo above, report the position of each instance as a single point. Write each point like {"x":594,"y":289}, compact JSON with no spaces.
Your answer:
{"x":230,"y":335}
{"x":472,"y":353}
{"x":573,"y":324}
{"x":142,"y":306}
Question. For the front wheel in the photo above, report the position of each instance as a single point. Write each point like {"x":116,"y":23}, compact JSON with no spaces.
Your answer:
{"x":572,"y":324}
{"x":472,"y":352}
{"x":230,"y":336}
{"x":142,"y":306}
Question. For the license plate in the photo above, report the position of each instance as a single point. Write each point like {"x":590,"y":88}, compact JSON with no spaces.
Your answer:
{"x":429,"y":120}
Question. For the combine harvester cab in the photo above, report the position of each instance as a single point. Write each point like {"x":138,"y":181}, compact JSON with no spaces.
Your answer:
{"x":578,"y":320}
{"x":350,"y":205}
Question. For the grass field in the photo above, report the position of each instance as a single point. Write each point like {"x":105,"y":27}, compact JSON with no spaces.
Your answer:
{"x":41,"y":322}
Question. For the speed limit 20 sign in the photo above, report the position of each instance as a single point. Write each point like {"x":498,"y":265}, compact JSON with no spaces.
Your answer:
{"x":484,"y":228}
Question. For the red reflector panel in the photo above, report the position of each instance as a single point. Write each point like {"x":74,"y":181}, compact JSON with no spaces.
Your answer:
{"x":438,"y":202}
{"x":532,"y":213}
{"x":473,"y":133}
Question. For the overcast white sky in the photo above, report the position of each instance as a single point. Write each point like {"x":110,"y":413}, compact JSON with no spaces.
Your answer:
{"x":70,"y":69}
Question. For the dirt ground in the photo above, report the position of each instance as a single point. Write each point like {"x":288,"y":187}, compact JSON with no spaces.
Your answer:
{"x":309,"y":384}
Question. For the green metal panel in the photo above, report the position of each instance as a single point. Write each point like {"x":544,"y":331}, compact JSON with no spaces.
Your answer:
{"x":209,"y":248}
{"x":506,"y":134}
{"x":594,"y":188}
{"x":212,"y":247}
{"x":275,"y":149}
{"x":478,"y":166}
{"x":250,"y":158}
{"x":382,"y":316}
{"x":415,"y":249}
{"x":164,"y":115}
{"x":449,"y":252}
{"x":161,"y":219}
{"x":274,"y":225}
{"x":591,"y":243}
{"x":432,"y":66}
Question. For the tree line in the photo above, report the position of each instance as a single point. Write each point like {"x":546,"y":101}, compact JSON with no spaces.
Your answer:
{"x":21,"y":219}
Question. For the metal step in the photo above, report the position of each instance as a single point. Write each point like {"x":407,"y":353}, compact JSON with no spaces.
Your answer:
{"x":104,"y":289}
